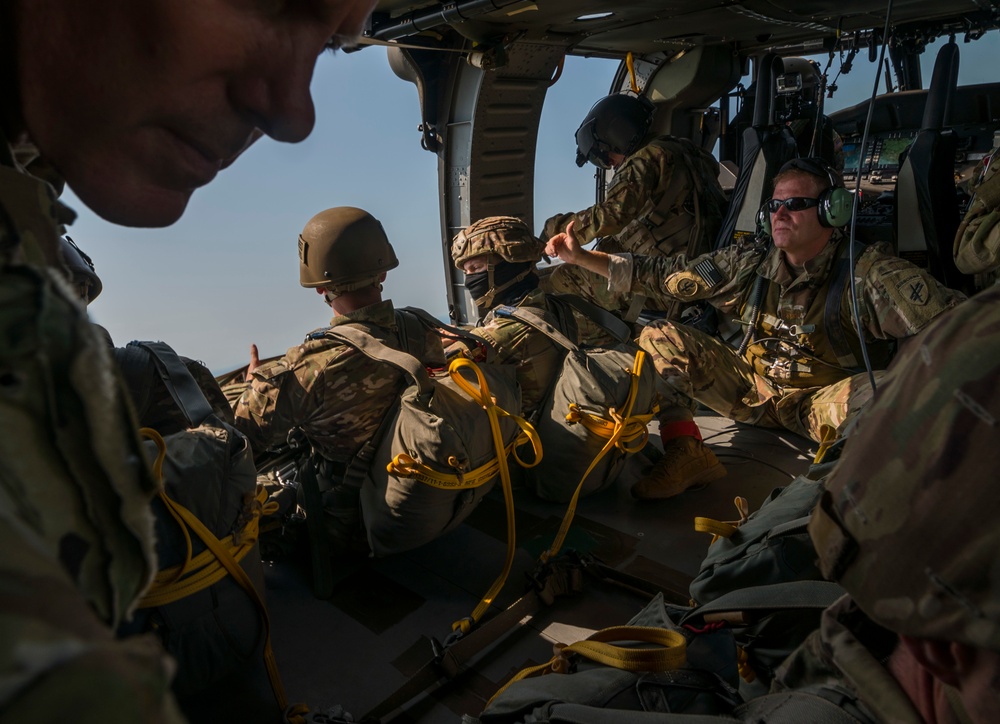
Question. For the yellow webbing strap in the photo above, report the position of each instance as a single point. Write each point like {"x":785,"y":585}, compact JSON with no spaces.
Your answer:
{"x":722,"y":528}
{"x":188,"y":520}
{"x":743,"y":665}
{"x":481,"y":394}
{"x":669,"y":654}
{"x":630,"y":64}
{"x":827,"y":436}
{"x":622,"y":422}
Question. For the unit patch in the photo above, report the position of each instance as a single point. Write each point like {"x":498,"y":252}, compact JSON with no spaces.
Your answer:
{"x":684,"y":285}
{"x":914,"y":290}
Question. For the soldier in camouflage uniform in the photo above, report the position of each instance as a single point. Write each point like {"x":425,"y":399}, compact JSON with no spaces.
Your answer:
{"x":664,"y":200}
{"x":906,"y":527}
{"x":498,"y":255}
{"x":127,"y":102}
{"x":799,"y":365}
{"x":327,"y":389}
{"x":977,"y":243}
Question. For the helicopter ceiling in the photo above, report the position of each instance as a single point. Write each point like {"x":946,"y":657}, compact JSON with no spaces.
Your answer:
{"x":609,"y":28}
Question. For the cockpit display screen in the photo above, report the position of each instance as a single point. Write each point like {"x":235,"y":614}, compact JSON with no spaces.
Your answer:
{"x":852,"y":154}
{"x":891,"y":149}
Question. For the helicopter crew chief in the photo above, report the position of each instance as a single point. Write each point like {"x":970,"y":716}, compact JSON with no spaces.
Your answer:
{"x":800,"y":366}
{"x":665,"y":199}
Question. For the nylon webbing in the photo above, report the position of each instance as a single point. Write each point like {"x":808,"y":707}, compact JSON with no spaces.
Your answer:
{"x":670,"y":653}
{"x":622,"y":422}
{"x":179,"y":382}
{"x":189,"y":520}
{"x":481,"y":394}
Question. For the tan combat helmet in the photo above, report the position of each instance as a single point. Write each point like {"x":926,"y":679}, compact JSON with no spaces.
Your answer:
{"x":908,"y":524}
{"x":500,"y":239}
{"x":343,"y":249}
{"x":81,"y":270}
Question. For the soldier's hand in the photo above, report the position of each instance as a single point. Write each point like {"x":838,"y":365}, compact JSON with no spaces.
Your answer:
{"x":254,"y":361}
{"x":564,"y":245}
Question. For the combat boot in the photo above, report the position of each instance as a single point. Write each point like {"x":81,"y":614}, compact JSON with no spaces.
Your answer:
{"x":686,"y":462}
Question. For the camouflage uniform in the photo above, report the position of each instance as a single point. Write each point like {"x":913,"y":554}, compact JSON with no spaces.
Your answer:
{"x":977,"y":243}
{"x":75,"y":528}
{"x":664,"y":200}
{"x":842,"y":662}
{"x":795,"y":375}
{"x":336,"y":395}
{"x":904,"y":526}
{"x":537,"y":357}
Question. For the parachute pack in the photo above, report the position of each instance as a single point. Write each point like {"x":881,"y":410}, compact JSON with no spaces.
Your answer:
{"x":206,"y":603}
{"x":598,"y":409}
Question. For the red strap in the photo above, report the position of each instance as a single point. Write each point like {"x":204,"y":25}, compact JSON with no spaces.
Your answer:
{"x":685,"y":428}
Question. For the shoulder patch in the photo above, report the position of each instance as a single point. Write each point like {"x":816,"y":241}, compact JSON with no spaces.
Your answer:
{"x":684,"y":285}
{"x":912,"y":288}
{"x":708,"y":271}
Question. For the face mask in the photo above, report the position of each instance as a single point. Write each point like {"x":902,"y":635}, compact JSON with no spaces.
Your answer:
{"x":506,"y":285}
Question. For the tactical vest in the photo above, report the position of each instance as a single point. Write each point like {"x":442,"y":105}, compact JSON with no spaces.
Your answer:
{"x":822,"y":350}
{"x":688,"y":212}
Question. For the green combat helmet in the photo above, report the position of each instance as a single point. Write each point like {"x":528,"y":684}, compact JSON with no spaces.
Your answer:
{"x":908,"y":525}
{"x":343,"y":249}
{"x":81,"y":270}
{"x":500,"y":239}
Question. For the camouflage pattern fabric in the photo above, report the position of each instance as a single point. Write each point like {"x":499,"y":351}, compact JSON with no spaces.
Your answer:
{"x":896,"y":299}
{"x":336,"y":395}
{"x":842,"y":661}
{"x":75,"y":525}
{"x":638,"y":189}
{"x":698,"y":367}
{"x":977,"y":243}
{"x":665,"y":199}
{"x":915,"y":486}
{"x":538,"y":359}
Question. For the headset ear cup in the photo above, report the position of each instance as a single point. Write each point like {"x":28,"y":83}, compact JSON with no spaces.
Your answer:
{"x":764,"y":220}
{"x":835,"y":207}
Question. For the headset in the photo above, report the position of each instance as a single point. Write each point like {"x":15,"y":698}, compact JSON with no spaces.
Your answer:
{"x":835,"y":204}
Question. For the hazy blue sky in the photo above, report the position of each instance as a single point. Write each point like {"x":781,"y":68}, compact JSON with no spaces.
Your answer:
{"x":226,"y":275}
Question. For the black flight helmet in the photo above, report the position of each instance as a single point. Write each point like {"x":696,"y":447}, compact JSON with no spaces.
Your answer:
{"x":616,"y":124}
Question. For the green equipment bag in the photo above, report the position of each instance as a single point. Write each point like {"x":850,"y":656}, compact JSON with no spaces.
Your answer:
{"x":439,"y":454}
{"x":206,"y":603}
{"x":597,"y":412}
{"x":770,"y":546}
{"x":694,"y":670}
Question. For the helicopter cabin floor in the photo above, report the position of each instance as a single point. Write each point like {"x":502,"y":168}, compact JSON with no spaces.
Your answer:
{"x":375,"y":631}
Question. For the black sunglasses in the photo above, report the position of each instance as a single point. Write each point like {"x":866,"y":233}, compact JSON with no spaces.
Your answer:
{"x":796,"y":203}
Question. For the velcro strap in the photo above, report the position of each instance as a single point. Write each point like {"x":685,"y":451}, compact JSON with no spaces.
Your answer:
{"x":684,"y":428}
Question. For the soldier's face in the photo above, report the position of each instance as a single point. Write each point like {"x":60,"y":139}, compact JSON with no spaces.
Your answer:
{"x":798,"y":233}
{"x":139,"y":102}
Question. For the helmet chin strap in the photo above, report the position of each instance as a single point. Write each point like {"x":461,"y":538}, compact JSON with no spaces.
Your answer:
{"x":485,"y":302}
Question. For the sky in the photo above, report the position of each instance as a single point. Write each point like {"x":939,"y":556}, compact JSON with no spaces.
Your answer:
{"x":226,"y":274}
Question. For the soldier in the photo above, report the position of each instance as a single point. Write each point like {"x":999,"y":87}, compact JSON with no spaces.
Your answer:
{"x":977,"y":243}
{"x":498,"y":255}
{"x":331,"y":392}
{"x":664,"y":200}
{"x":905,"y":527}
{"x":799,"y":364}
{"x":134,"y":105}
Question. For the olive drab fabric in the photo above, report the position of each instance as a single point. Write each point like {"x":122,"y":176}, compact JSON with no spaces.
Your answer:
{"x":800,"y":370}
{"x":326,"y":388}
{"x":770,"y":545}
{"x":977,"y":243}
{"x":215,"y":632}
{"x":76,"y":532}
{"x":665,"y":199}
{"x":915,"y":483}
{"x":343,"y":249}
{"x":536,"y":357}
{"x":842,"y":661}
